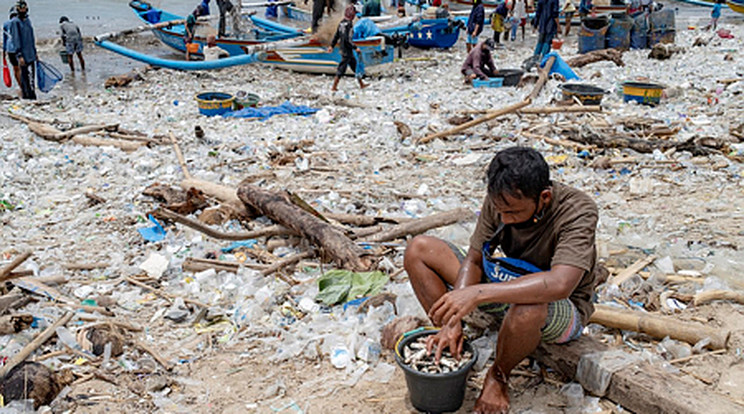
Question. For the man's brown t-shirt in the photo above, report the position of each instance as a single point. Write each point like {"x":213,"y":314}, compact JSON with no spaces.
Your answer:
{"x":565,"y":235}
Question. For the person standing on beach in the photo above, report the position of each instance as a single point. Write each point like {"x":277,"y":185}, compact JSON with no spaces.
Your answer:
{"x":8,"y":49}
{"x":475,"y":23}
{"x":568,"y":9}
{"x":343,"y":37}
{"x":546,"y":21}
{"x":520,"y":14}
{"x":73,"y":41}
{"x":318,"y":8}
{"x":190,"y":30}
{"x":715,"y":14}
{"x":226,"y":6}
{"x":24,"y":46}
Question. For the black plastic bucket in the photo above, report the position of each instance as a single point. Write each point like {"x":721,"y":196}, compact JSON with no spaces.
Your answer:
{"x":586,"y":94}
{"x":511,"y":76}
{"x":434,"y":393}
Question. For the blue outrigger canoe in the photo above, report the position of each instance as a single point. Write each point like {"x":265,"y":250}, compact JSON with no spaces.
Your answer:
{"x":271,"y":43}
{"x":424,"y":34}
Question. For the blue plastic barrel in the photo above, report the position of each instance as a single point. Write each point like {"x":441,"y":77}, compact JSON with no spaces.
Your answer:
{"x":618,"y":34}
{"x":662,"y":21}
{"x":639,"y":33}
{"x":591,"y":39}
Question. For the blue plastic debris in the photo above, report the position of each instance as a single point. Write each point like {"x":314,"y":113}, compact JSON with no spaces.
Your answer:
{"x":153,"y":234}
{"x":238,"y":244}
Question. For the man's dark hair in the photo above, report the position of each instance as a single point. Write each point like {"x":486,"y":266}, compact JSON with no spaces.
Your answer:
{"x":519,"y":172}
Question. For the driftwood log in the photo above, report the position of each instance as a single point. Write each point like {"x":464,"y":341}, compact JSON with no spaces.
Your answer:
{"x":275,"y":230}
{"x":6,"y":271}
{"x":421,"y":225}
{"x":124,"y":145}
{"x":659,"y":326}
{"x":492,"y":115}
{"x":544,"y":73}
{"x":589,"y":136}
{"x":711,"y":295}
{"x":613,"y":55}
{"x":640,"y":388}
{"x":226,"y":195}
{"x":276,"y":206}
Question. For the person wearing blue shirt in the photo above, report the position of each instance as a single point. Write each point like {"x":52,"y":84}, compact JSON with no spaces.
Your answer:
{"x":546,"y":21}
{"x":715,"y":15}
{"x":24,"y":45}
{"x":272,"y":11}
{"x":205,"y":7}
{"x":8,"y":49}
{"x":475,"y":23}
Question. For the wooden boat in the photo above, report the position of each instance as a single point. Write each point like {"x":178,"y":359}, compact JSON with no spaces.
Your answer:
{"x":424,"y":34}
{"x":599,"y":8}
{"x":429,"y":33}
{"x":736,"y":5}
{"x":272,"y":39}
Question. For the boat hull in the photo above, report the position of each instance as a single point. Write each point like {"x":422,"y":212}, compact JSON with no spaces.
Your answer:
{"x":736,"y":6}
{"x":429,"y":33}
{"x":308,"y":57}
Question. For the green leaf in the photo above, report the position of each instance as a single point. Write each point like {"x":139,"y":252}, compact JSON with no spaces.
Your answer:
{"x":366,"y":284}
{"x":334,"y":287}
{"x":338,"y":286}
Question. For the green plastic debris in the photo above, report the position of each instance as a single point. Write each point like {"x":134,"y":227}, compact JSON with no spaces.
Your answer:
{"x":5,"y":205}
{"x":339,"y":286}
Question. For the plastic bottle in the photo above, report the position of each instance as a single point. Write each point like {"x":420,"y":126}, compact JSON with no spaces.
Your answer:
{"x":340,"y":357}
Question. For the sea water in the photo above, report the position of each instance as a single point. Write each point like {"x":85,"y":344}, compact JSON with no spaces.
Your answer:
{"x":93,"y":16}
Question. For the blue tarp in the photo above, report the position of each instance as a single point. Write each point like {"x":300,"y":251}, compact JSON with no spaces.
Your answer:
{"x":365,"y":28}
{"x":266,"y":112}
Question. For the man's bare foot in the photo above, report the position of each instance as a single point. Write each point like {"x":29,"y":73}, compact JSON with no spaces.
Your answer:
{"x":494,"y":398}
{"x":334,"y":89}
{"x":364,"y":85}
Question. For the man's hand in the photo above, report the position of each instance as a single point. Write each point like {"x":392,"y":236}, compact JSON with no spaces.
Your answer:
{"x":454,"y":305}
{"x":21,"y":61}
{"x":450,"y":336}
{"x":329,"y":50}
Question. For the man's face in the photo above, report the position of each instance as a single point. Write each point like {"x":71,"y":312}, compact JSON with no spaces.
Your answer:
{"x":515,"y":210}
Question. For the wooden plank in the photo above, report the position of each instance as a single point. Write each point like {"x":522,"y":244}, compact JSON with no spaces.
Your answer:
{"x":641,"y":388}
{"x":628,"y":272}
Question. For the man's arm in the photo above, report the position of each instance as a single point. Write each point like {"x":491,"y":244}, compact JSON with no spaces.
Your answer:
{"x":477,"y":62}
{"x":491,"y":64}
{"x":450,"y":336}
{"x":471,"y":269}
{"x":336,"y":38}
{"x":542,"y":287}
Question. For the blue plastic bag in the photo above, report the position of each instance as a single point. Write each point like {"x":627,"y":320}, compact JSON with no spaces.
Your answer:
{"x":560,"y":66}
{"x":153,"y":234}
{"x":46,"y":76}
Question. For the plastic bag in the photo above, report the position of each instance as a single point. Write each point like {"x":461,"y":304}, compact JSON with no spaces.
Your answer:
{"x":47,"y":76}
{"x":6,"y":74}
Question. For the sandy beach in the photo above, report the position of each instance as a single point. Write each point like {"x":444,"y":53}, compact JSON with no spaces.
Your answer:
{"x":263,"y":348}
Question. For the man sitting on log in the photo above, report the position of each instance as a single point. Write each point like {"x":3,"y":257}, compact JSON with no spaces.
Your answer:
{"x":541,"y":290}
